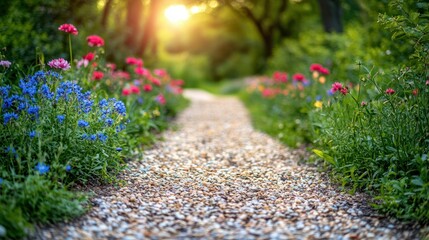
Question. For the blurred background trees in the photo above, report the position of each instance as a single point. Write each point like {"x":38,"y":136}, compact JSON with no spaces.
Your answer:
{"x":205,"y":40}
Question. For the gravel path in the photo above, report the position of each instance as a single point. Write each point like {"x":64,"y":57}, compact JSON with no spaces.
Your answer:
{"x":218,"y":178}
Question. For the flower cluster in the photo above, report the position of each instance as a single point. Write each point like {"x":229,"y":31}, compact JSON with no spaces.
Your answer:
{"x":59,"y":63}
{"x":95,"y":41}
{"x":5,"y":63}
{"x":68,"y":28}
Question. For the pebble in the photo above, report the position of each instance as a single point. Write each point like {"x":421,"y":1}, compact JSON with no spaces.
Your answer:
{"x":218,"y":178}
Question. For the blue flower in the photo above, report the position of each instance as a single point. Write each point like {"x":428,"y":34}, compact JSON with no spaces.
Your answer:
{"x":28,"y":87}
{"x":46,"y":92}
{"x":33,"y":110}
{"x":93,"y":137}
{"x":103,"y":103}
{"x":318,"y":97}
{"x":84,"y":136}
{"x":9,"y":116}
{"x":140,"y":100}
{"x":68,"y":168}
{"x":119,"y":107}
{"x":32,"y":134}
{"x":118,"y":149}
{"x":109,"y":122}
{"x":1,"y":181}
{"x":102,"y":137}
{"x":86,"y":105}
{"x":4,"y":91}
{"x":42,"y":168}
{"x":61,"y":118}
{"x":82,"y":123}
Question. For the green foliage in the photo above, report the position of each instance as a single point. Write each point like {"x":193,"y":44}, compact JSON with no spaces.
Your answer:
{"x":373,"y":135}
{"x":381,"y":144}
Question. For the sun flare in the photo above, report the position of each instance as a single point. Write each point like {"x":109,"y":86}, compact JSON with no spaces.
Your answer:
{"x":176,"y":14}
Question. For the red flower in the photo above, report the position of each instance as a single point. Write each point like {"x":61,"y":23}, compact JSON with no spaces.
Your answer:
{"x":160,"y":99}
{"x":344,"y":90}
{"x":95,"y":41}
{"x":336,"y":87}
{"x":134,"y":89}
{"x":90,"y":56}
{"x":126,"y":91}
{"x":68,"y":28}
{"x":280,"y":76}
{"x":96,"y":75}
{"x":298,"y":77}
{"x":134,"y":61}
{"x":147,"y":88}
{"x":315,"y":67}
{"x":415,"y":92}
{"x":268,"y":92}
{"x":324,"y":71}
{"x":389,"y":91}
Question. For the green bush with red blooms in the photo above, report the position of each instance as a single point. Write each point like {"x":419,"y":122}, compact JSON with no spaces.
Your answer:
{"x":372,"y":129}
{"x":66,"y":124}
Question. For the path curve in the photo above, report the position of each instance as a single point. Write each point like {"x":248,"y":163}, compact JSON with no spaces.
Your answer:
{"x":218,"y":178}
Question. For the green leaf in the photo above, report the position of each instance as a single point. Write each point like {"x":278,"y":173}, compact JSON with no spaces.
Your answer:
{"x":417,"y":181}
{"x":324,"y":156}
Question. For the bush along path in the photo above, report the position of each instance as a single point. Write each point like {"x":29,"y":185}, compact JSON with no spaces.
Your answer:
{"x":216,"y":177}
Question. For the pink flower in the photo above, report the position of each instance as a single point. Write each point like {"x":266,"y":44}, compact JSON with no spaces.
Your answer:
{"x":96,"y":75}
{"x":178,"y":82}
{"x":134,"y":89}
{"x":390,"y":91}
{"x":134,"y":61}
{"x":82,"y":62}
{"x":336,"y":87}
{"x":90,"y":56}
{"x":160,"y":72}
{"x":147,"y":88}
{"x":160,"y":99}
{"x":344,"y":90}
{"x":427,"y":82}
{"x":95,"y":41}
{"x":268,"y":92}
{"x":5,"y":63}
{"x":68,"y":28}
{"x":59,"y":63}
{"x":298,"y":77}
{"x":280,"y":76}
{"x":363,"y":103}
{"x":142,"y":71}
{"x":155,"y":81}
{"x":121,"y":74}
{"x":126,"y":91}
{"x":112,"y":66}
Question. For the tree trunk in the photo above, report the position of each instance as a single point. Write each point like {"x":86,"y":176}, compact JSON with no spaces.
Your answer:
{"x":106,"y":13}
{"x":330,"y":12}
{"x":134,"y":15}
{"x":149,"y":28}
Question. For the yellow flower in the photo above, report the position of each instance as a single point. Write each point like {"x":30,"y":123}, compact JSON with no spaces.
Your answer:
{"x":315,"y":74}
{"x":322,"y":79}
{"x":318,"y":104}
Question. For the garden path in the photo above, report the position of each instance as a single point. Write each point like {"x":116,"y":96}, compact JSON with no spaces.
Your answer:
{"x":218,"y":178}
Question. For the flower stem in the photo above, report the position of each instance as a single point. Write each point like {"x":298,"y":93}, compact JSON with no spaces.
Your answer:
{"x":70,"y":48}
